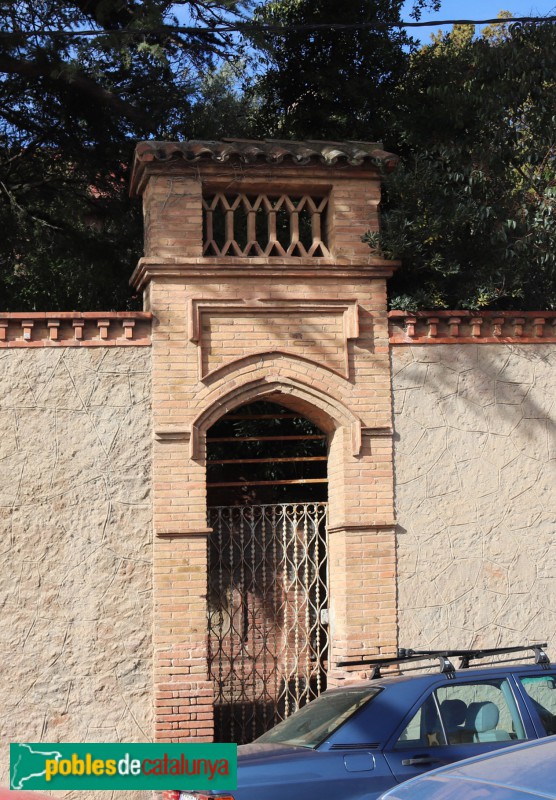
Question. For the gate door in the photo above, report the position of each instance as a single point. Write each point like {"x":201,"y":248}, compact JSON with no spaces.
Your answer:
{"x":268,"y":613}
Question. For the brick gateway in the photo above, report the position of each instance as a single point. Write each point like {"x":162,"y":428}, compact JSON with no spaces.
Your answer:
{"x":262,"y":290}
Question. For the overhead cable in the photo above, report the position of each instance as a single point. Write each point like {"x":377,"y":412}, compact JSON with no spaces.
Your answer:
{"x":259,"y":27}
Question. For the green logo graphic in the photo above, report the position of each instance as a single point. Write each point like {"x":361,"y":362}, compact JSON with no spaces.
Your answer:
{"x":39,"y":765}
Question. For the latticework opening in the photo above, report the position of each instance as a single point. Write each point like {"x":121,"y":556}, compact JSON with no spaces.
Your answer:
{"x":248,"y":225}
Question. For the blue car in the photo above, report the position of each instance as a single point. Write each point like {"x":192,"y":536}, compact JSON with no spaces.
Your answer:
{"x":523,"y":772}
{"x":356,"y":742}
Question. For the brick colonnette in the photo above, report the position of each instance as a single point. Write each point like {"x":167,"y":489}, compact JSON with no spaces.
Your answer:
{"x":308,"y":333}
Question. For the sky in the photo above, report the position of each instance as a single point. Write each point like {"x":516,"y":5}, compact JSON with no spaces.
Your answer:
{"x":479,"y":9}
{"x":454,"y":9}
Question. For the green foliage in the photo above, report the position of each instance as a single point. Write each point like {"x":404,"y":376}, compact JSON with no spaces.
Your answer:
{"x":70,"y":235}
{"x":500,"y":32}
{"x":220,"y":109}
{"x":330,"y":83}
{"x":471,"y":210}
{"x":71,"y":109}
{"x":459,"y":36}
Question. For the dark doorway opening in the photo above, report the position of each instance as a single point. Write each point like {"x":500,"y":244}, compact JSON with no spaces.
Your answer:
{"x":265,"y":453}
{"x":268,"y":583}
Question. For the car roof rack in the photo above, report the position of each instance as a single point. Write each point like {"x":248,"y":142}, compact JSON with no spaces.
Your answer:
{"x":406,"y":655}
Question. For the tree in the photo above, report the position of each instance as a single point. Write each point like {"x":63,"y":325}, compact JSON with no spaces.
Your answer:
{"x":220,"y":108}
{"x":329,"y":82}
{"x":71,"y":109}
{"x":471,"y":210}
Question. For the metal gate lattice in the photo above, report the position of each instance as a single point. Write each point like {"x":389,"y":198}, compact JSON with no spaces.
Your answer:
{"x":268,"y":605}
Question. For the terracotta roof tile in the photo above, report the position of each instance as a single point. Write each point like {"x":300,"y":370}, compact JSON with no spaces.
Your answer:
{"x":270,"y":151}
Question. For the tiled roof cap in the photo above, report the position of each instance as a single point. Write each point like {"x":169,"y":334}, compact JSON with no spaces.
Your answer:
{"x":270,"y":151}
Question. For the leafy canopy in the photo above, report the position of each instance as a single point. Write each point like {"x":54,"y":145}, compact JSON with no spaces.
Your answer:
{"x":71,"y":109}
{"x":471,"y":211}
{"x":330,"y":83}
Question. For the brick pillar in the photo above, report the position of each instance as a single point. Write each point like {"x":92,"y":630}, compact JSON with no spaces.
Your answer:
{"x":362,"y":547}
{"x":363,"y":615}
{"x":183,"y":693}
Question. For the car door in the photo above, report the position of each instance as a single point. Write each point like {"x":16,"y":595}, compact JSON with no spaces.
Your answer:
{"x":539,"y":694}
{"x":457,"y":719}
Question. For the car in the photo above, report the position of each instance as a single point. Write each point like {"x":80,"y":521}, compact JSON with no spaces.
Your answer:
{"x":357,"y":741}
{"x":522,"y":772}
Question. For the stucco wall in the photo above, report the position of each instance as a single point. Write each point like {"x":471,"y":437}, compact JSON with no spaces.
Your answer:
{"x":475,"y":476}
{"x":75,"y":552}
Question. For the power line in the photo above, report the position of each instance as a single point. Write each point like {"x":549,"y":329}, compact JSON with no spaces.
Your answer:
{"x":245,"y":27}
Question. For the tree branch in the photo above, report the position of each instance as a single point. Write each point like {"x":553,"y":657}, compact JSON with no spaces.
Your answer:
{"x":114,"y":15}
{"x":61,"y":73}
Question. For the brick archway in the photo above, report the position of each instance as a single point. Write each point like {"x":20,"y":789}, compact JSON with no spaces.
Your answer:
{"x":277,"y":381}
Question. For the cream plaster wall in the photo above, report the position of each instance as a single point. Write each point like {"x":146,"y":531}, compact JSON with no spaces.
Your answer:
{"x":475,"y":476}
{"x":475,"y":461}
{"x":76,"y":546}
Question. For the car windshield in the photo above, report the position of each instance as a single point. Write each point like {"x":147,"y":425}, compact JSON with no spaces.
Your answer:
{"x":312,"y":725}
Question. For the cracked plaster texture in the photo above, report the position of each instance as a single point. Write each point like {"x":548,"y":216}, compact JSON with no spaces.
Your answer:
{"x":475,"y":461}
{"x":475,"y":478}
{"x":76,"y":549}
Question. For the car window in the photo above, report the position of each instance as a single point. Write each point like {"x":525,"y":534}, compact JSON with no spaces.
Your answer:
{"x":542,"y":691}
{"x":465,"y":713}
{"x":424,"y":729}
{"x":482,"y":711}
{"x":312,"y":724}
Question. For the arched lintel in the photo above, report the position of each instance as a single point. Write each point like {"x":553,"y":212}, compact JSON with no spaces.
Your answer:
{"x":258,"y":355}
{"x":325,"y":411}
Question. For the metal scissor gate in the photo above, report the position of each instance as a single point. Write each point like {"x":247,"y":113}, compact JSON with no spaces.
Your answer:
{"x":268,"y":613}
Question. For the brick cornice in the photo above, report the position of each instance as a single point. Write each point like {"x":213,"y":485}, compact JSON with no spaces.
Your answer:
{"x":241,"y":160}
{"x":75,"y":329}
{"x":472,"y":327}
{"x":315,"y":268}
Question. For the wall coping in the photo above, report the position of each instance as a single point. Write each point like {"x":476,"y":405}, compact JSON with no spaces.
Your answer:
{"x":472,"y":327}
{"x":75,"y":329}
{"x":125,"y":328}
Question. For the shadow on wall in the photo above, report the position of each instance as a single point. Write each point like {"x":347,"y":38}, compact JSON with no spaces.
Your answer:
{"x":475,"y":477}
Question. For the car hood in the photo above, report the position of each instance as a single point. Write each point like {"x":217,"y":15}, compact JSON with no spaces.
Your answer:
{"x":265,"y":765}
{"x":253,"y":753}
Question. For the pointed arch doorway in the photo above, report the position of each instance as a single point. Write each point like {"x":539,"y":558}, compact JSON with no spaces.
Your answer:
{"x":268,"y":572}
